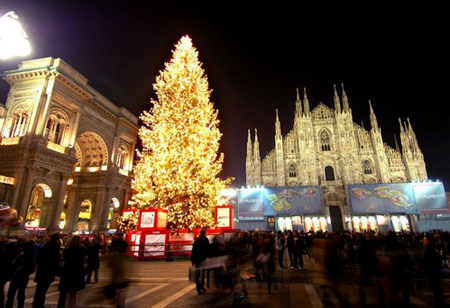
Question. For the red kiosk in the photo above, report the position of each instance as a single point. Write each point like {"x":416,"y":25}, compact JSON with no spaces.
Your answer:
{"x":152,"y":239}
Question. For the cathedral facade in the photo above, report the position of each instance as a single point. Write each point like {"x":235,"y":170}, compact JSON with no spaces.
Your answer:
{"x":327,"y":148}
{"x":66,"y":152}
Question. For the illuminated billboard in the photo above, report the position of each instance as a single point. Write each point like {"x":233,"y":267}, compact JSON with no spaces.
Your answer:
{"x":430,"y":198}
{"x":292,"y":200}
{"x":382,"y":198}
{"x":251,"y":203}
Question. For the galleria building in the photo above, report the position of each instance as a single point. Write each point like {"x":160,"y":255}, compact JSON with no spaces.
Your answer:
{"x":328,"y":150}
{"x":65,"y":150}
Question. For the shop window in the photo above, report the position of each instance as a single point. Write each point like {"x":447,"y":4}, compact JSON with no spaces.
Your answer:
{"x":329,"y":173}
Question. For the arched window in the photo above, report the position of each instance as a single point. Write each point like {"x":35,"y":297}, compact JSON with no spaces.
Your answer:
{"x":292,"y":170}
{"x":57,"y":127}
{"x":17,"y":122}
{"x":367,"y":167}
{"x":121,"y":157}
{"x":329,"y":173}
{"x":325,"y":141}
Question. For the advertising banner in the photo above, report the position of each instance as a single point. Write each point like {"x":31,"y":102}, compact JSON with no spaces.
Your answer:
{"x":154,"y":239}
{"x":178,"y":240}
{"x":223,"y":217}
{"x":251,"y":203}
{"x":292,"y":200}
{"x":382,"y":198}
{"x":430,"y":198}
{"x":147,"y":219}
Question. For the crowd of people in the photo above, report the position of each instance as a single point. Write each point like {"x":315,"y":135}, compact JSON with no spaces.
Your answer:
{"x":74,"y":259}
{"x":389,"y":261}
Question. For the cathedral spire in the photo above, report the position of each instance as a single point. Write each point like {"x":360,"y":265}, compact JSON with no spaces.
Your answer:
{"x":256,"y":156}
{"x":373,"y":117}
{"x":298,"y":105}
{"x":249,"y":146}
{"x":277,"y":126}
{"x":401,"y":125}
{"x":345,"y":106}
{"x":337,"y":102}
{"x":305,"y":102}
{"x":397,"y":147}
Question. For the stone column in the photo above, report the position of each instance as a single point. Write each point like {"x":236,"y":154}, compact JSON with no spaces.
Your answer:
{"x":74,"y":129}
{"x":46,"y":211}
{"x":96,"y":217}
{"x":72,"y":211}
{"x":59,"y":204}
{"x":40,"y":127}
{"x":25,"y":193}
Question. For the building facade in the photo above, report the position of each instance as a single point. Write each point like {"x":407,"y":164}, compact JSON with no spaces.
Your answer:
{"x":327,"y":148}
{"x":66,"y":152}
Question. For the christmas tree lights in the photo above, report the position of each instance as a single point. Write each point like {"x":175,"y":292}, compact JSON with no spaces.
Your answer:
{"x":179,"y":165}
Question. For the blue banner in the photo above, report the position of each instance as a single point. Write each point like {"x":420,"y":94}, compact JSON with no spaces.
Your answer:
{"x":251,"y":203}
{"x":292,"y":200}
{"x":431,"y":198}
{"x":382,"y":198}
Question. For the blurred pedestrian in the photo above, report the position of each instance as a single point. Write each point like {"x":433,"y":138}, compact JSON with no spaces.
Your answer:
{"x":93,"y":261}
{"x":299,"y":249}
{"x":291,"y":248}
{"x":280,"y":244}
{"x":48,"y":265}
{"x":213,"y":251}
{"x":198,"y":254}
{"x":72,"y":272}
{"x":117,"y":287}
{"x":6,"y":258}
{"x":432,"y":267}
{"x":22,"y":268}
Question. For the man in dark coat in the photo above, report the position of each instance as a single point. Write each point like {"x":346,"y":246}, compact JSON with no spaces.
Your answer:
{"x":93,"y":261}
{"x":198,"y":255}
{"x":48,"y":262}
{"x":72,"y":272}
{"x":22,"y":268}
{"x":291,"y":248}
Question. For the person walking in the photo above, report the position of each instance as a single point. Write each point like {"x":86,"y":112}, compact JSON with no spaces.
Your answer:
{"x":280,"y":243}
{"x":291,"y":248}
{"x":432,"y":266}
{"x":6,"y":259}
{"x":93,"y":261}
{"x":48,"y":264}
{"x":72,"y":272}
{"x":22,"y":268}
{"x":300,"y":245}
{"x":198,"y":254}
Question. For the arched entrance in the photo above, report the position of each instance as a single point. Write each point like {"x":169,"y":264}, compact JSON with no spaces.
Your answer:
{"x":84,"y":216}
{"x":114,"y":205}
{"x":36,"y":205}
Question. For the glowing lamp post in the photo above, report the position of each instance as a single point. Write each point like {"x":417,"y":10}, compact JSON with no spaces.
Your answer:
{"x":13,"y":39}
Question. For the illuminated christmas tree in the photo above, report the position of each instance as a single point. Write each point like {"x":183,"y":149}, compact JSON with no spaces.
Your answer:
{"x":178,"y":168}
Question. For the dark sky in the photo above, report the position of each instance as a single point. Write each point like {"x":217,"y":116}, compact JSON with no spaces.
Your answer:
{"x":255,"y":57}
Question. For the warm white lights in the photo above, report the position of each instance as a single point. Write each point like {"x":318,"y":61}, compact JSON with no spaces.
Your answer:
{"x":13,"y":39}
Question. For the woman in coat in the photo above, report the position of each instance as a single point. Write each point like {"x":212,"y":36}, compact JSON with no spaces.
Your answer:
{"x":72,"y":272}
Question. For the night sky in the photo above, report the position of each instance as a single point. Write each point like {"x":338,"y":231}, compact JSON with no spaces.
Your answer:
{"x":255,"y":57}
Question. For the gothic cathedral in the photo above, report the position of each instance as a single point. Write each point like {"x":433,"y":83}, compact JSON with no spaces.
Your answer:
{"x":325,"y":147}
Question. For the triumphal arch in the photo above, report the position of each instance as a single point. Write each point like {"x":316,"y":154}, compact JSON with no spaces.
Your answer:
{"x":66,"y":152}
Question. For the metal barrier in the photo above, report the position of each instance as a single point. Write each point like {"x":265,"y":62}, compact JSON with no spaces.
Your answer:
{"x":168,"y":251}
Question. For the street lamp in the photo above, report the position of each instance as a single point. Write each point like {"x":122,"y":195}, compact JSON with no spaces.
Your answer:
{"x":13,"y":39}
